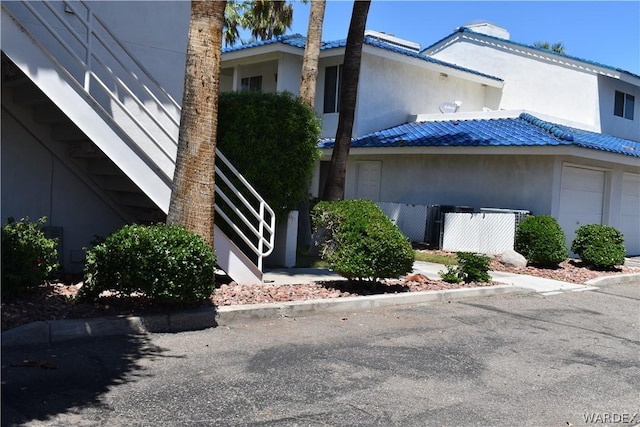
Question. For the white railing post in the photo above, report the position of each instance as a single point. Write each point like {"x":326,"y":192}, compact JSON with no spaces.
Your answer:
{"x":261,"y":239}
{"x":88,"y":60}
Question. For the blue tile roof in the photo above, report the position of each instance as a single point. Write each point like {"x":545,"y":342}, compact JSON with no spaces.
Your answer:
{"x":523,"y":131}
{"x":546,"y":51}
{"x":299,"y":41}
{"x":291,"y":39}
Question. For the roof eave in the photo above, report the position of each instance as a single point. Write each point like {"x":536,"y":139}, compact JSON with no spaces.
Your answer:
{"x":261,"y":50}
{"x":535,"y":53}
{"x":565,"y":150}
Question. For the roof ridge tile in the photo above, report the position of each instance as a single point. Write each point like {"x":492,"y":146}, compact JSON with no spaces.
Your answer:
{"x":552,"y":128}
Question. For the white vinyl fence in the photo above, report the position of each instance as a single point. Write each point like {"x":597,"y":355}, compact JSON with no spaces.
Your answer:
{"x":491,"y":231}
{"x":487,"y":233}
{"x":410,"y":219}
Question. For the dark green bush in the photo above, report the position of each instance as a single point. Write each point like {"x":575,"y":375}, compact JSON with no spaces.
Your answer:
{"x":540,"y":239}
{"x":28,"y":257}
{"x":600,"y":246}
{"x":471,"y":268}
{"x":360,"y":241}
{"x":452,"y":275}
{"x":272,"y":139}
{"x":165,"y":263}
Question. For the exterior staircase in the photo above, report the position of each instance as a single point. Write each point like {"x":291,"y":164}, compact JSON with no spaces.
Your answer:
{"x":115,"y":127}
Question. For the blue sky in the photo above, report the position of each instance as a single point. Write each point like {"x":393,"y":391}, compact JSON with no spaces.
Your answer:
{"x":603,"y":31}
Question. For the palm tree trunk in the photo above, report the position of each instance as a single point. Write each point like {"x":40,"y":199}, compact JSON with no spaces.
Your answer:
{"x":192,"y":195}
{"x":334,"y":188}
{"x":308,"y":95}
{"x":312,"y":53}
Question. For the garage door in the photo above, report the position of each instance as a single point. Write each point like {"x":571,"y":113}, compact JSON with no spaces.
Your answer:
{"x":630,"y":212}
{"x":581,"y":199}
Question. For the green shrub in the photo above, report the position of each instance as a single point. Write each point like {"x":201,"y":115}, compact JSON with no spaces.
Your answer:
{"x":473,"y":267}
{"x":28,"y":257}
{"x":361,"y":242}
{"x":166,"y":263}
{"x":272,"y":139}
{"x":540,"y":239}
{"x":452,"y":275}
{"x":600,"y":246}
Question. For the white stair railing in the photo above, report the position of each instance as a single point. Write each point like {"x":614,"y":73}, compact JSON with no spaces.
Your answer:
{"x":145,"y":114}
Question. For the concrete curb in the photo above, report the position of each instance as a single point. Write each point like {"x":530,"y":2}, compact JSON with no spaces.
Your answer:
{"x":62,"y":330}
{"x":614,"y":280}
{"x":231,"y":314}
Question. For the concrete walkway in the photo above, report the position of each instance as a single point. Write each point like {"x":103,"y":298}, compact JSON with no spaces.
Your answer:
{"x":431,"y":270}
{"x":61,"y":330}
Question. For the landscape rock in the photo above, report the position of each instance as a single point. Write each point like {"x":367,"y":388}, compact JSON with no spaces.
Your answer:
{"x":513,"y":259}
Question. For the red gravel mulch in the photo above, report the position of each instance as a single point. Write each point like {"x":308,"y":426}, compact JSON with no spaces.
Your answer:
{"x":56,"y":301}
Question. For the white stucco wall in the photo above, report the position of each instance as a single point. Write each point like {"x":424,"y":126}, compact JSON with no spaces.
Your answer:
{"x":530,"y":84}
{"x":36,"y":184}
{"x":611,"y":124}
{"x":390,"y":91}
{"x":528,"y":182}
{"x":289,"y":73}
{"x":155,"y":33}
{"x":512,"y":182}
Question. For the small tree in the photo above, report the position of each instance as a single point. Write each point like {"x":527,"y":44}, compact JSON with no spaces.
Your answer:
{"x":271,"y":138}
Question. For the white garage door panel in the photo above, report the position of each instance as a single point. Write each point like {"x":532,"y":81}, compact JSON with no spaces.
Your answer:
{"x":631,"y":194}
{"x":630,"y":213}
{"x":579,"y":179}
{"x":577,"y":201}
{"x":581,"y":199}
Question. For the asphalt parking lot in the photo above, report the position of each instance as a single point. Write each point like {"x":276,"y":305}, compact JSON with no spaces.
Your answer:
{"x":565,"y":359}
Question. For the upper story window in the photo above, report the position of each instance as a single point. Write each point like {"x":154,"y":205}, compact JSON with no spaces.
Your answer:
{"x":251,"y":83}
{"x":623,"y":105}
{"x":332,"y":77}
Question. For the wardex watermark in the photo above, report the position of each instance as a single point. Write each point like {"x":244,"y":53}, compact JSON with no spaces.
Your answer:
{"x":611,"y":417}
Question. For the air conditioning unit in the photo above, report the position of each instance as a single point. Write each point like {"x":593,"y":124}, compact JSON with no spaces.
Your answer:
{"x":520,"y":214}
{"x":434,"y":229}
